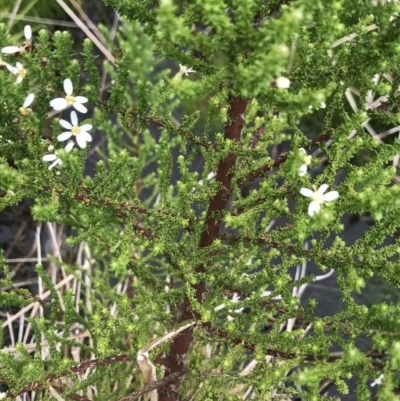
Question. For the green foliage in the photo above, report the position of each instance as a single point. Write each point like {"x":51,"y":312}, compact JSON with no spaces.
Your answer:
{"x":199,"y":110}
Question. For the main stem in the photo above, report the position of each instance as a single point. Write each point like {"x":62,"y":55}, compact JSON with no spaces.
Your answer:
{"x":180,"y":345}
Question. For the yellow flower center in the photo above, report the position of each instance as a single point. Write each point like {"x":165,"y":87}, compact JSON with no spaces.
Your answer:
{"x":75,"y":130}
{"x":317,"y":197}
{"x":70,"y":99}
{"x":183,"y":69}
{"x":307,"y":160}
{"x":25,"y":111}
{"x":22,"y":72}
{"x":21,"y":50}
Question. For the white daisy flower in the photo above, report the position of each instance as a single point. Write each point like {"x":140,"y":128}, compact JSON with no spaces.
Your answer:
{"x":319,"y":197}
{"x":17,"y":70}
{"x":377,"y":381}
{"x":2,"y":395}
{"x":54,"y":158}
{"x":307,"y":162}
{"x":82,"y":136}
{"x":25,"y":110}
{"x":62,"y":103}
{"x":184,"y":70}
{"x":16,"y":49}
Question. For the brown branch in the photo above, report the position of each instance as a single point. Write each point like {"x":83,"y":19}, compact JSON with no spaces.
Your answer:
{"x":180,"y":345}
{"x":93,"y":363}
{"x":256,"y":138}
{"x":122,"y":209}
{"x":261,"y":241}
{"x":277,"y":162}
{"x":74,"y":369}
{"x":279,"y":354}
{"x":188,"y":135}
{"x":224,"y":176}
{"x":21,"y":135}
{"x":286,"y":246}
{"x":172,"y":127}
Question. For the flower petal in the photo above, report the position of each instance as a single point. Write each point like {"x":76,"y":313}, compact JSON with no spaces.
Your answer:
{"x":49,"y":158}
{"x":74,"y":119}
{"x":10,"y":49}
{"x":19,"y":65}
{"x":65,"y":124}
{"x":307,"y":192}
{"x":19,"y":80}
{"x":86,"y":136}
{"x":52,"y":101}
{"x":282,"y":82}
{"x":322,"y":189}
{"x":69,"y":146}
{"x":377,"y":381}
{"x":86,"y":127}
{"x":81,"y":141}
{"x":29,"y":99}
{"x":11,"y":68}
{"x":68,"y":88}
{"x":303,"y":170}
{"x":59,"y":103}
{"x":80,"y":107}
{"x":314,"y":208}
{"x":58,"y":161}
{"x":81,"y":99}
{"x":28,"y":32}
{"x":64,"y":136}
{"x":330,"y":196}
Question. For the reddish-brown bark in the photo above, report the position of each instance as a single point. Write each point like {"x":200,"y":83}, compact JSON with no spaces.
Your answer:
{"x":180,"y":345}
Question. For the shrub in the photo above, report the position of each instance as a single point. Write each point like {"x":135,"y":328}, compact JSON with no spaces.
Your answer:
{"x":194,"y":231}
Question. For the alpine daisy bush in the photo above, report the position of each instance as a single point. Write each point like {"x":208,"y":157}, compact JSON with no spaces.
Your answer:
{"x":224,"y":231}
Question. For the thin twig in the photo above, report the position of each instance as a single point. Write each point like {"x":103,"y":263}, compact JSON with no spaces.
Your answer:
{"x":47,"y":21}
{"x":154,"y":385}
{"x":276,"y":163}
{"x":75,"y":369}
{"x":88,"y":33}
{"x":15,"y":239}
